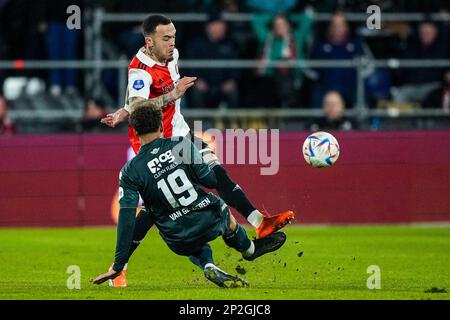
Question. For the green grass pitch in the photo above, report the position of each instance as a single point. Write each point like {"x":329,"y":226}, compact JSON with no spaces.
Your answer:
{"x":315,"y":263}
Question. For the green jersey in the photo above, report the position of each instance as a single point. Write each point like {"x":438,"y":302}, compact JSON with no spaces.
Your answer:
{"x":169,"y":175}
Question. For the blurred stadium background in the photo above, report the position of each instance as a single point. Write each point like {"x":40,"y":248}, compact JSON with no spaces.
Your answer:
{"x":293,"y":65}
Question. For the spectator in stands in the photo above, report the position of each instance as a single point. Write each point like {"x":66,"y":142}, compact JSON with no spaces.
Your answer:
{"x":94,"y":112}
{"x":240,"y":30}
{"x":214,"y":86}
{"x":278,"y":40}
{"x":339,"y":44}
{"x":386,"y":42}
{"x":440,"y":97}
{"x":62,"y":43}
{"x":378,"y":86}
{"x":334,"y":119}
{"x":271,"y":6}
{"x":6,"y":126}
{"x":200,"y":5}
{"x":432,"y":44}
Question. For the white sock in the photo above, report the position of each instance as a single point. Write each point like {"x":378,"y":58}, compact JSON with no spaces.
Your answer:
{"x":211,"y":265}
{"x":255,"y":218}
{"x":125,"y":267}
{"x":250,"y":250}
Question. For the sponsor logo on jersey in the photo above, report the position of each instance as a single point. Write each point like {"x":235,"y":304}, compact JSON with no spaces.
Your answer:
{"x":156,"y":164}
{"x":154,"y":151}
{"x":138,"y":84}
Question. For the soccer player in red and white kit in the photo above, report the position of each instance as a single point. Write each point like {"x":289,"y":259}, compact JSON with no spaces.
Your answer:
{"x":154,"y":80}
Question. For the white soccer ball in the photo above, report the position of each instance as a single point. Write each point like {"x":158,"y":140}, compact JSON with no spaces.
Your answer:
{"x":321,"y":149}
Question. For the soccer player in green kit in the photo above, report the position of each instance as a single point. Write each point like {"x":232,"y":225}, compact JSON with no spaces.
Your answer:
{"x":169,"y":174}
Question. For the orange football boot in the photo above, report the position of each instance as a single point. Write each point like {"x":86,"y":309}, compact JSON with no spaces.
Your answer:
{"x":120,"y":281}
{"x":272,"y":224}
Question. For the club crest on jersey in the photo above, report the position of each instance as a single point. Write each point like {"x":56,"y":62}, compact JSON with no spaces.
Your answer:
{"x":156,"y":164}
{"x":138,"y":84}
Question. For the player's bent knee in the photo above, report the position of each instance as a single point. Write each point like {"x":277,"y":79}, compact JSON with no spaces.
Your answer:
{"x":233,"y":223}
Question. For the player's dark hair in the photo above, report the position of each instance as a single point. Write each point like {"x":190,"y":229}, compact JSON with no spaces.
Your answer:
{"x":146,"y":120}
{"x":151,"y":22}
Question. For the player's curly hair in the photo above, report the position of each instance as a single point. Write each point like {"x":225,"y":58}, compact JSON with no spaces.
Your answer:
{"x":151,"y":22}
{"x":146,"y":119}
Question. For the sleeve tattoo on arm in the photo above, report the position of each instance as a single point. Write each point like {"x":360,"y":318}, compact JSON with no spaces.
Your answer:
{"x":160,"y":101}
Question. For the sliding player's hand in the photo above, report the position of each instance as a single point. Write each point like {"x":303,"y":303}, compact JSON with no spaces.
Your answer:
{"x":111,"y":274}
{"x":113,"y":119}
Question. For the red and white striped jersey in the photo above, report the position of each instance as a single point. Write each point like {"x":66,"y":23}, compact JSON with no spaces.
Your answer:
{"x":149,"y":79}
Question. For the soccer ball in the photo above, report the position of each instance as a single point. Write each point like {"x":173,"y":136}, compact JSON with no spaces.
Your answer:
{"x":321,"y":150}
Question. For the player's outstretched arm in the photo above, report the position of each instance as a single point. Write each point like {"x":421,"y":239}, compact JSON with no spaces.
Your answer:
{"x":125,"y":230}
{"x":113,"y":119}
{"x":116,"y":118}
{"x":128,"y":200}
{"x":165,"y":99}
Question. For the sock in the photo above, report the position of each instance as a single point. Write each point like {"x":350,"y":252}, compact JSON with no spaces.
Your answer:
{"x":250,"y":250}
{"x":202,"y":257}
{"x":143,"y":223}
{"x":232,"y":193}
{"x":238,"y":239}
{"x":210,"y":265}
{"x":255,"y":218}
